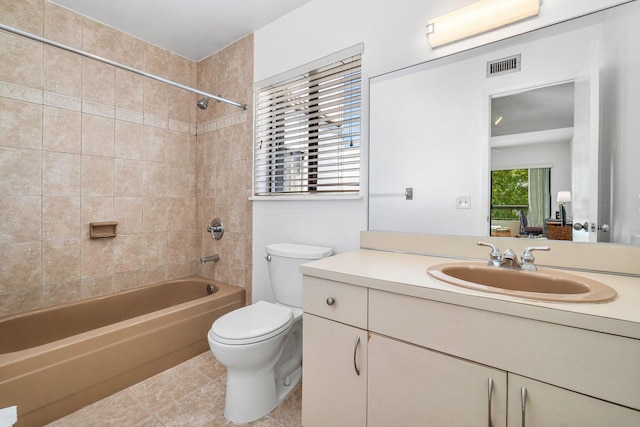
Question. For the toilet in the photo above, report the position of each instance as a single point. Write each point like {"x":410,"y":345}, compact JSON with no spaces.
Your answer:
{"x":261,"y":344}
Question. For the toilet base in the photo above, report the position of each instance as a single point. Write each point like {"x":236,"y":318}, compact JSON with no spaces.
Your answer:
{"x":252,"y":396}
{"x":253,"y":392}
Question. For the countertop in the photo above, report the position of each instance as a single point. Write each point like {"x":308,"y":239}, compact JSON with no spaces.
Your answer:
{"x":407,"y":274}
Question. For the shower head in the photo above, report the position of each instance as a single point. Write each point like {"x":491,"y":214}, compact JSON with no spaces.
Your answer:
{"x":203,"y":103}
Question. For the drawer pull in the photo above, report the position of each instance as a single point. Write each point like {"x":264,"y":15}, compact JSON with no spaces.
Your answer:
{"x":355,"y":352}
{"x":490,"y":389}
{"x":330,"y":301}
{"x":523,"y":400}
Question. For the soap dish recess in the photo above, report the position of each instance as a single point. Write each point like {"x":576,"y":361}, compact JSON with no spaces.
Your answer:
{"x":101,"y":230}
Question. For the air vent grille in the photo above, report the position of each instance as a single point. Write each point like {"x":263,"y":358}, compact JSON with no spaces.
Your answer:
{"x":503,"y":66}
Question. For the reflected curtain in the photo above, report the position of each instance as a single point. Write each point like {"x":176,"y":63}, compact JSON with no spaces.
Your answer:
{"x":539,"y":196}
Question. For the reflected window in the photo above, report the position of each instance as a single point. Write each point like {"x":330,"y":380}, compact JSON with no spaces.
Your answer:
{"x":519,"y":195}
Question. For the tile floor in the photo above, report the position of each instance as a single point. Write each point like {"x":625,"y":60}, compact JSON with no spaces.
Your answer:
{"x":189,"y":394}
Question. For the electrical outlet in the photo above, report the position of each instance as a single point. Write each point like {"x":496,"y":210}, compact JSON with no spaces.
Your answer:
{"x":463,"y":202}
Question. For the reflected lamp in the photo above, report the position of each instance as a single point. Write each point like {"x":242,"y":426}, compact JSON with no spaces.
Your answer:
{"x":563,"y":198}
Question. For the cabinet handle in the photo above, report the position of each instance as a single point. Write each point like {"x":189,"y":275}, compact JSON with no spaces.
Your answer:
{"x":355,"y":352}
{"x":523,"y":400}
{"x":330,"y":301}
{"x":490,"y":389}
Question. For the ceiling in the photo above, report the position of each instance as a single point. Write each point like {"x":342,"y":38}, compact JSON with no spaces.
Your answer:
{"x":192,"y":28}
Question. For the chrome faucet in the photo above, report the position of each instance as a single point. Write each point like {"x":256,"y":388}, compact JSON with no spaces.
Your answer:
{"x":214,"y":258}
{"x":528,"y":258}
{"x":495,"y":257}
{"x":510,"y":260}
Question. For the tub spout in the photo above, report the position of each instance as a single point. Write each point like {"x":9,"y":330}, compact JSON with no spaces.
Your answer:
{"x":206,"y":259}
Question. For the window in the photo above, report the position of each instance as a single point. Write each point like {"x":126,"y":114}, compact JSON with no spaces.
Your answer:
{"x":509,"y":193}
{"x":307,"y":137}
{"x":515,"y":190}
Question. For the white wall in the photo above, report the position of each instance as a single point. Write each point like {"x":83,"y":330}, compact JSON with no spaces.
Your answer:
{"x":394,"y":37}
{"x":393,"y":32}
{"x":620,"y":111}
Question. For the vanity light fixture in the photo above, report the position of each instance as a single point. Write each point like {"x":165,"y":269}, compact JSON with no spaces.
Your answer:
{"x":477,"y":18}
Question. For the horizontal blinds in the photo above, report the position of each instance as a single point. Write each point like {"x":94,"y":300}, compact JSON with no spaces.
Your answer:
{"x":308,"y":132}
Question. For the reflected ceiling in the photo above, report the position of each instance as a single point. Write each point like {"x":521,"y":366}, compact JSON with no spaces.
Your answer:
{"x":535,"y":110}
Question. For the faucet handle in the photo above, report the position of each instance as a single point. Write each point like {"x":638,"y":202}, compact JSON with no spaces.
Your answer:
{"x":528,"y":258}
{"x":495,"y":256}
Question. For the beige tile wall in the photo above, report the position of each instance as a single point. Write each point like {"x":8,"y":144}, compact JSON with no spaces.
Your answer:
{"x":81,"y":142}
{"x":224,"y":160}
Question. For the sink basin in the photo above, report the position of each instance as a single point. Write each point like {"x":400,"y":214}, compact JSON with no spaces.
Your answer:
{"x":543,"y":285}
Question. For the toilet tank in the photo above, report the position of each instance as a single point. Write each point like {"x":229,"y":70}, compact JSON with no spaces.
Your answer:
{"x":284,"y":269}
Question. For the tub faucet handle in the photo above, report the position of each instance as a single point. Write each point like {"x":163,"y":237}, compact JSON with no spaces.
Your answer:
{"x":216,"y":229}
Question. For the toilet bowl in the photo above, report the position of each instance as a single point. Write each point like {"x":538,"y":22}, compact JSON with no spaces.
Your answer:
{"x":261,"y":344}
{"x":249,"y":342}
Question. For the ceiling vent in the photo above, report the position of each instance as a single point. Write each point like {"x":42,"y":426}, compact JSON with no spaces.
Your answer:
{"x":503,"y":66}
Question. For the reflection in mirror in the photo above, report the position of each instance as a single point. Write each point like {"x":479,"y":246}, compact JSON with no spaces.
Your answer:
{"x":532,"y":110}
{"x":531,"y":133}
{"x":520,"y":202}
{"x":430,"y":131}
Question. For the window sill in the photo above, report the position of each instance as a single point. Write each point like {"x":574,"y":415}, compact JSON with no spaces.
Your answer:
{"x":313,"y":197}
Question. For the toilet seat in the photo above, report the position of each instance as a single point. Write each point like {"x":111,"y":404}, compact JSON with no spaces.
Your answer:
{"x":253,"y":323}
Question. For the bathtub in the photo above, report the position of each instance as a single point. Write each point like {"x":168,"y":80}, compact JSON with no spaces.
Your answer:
{"x":56,"y":360}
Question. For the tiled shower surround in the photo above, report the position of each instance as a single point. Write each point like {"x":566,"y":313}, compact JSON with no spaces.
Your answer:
{"x":82,"y":141}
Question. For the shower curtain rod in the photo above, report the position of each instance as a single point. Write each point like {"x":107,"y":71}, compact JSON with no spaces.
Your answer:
{"x":115,"y":64}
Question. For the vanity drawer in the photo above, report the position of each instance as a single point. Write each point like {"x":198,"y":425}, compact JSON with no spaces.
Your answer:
{"x":593,"y":363}
{"x":335,"y":300}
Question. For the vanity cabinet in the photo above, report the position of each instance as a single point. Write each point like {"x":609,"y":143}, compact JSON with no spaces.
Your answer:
{"x":409,"y":385}
{"x":334,"y":365}
{"x":431,"y":362}
{"x":573,"y":376}
{"x":546,"y":405}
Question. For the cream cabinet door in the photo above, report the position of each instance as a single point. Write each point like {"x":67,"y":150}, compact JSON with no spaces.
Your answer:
{"x":536,"y":404}
{"x":413,"y":386}
{"x":334,"y":369}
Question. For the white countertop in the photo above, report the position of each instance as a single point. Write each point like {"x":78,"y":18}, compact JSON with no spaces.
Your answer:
{"x":407,"y":274}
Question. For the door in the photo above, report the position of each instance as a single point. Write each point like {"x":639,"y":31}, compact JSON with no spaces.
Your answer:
{"x":334,"y":369}
{"x":413,"y":386}
{"x":585,"y":151}
{"x":536,"y":404}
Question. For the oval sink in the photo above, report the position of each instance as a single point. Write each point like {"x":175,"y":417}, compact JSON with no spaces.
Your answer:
{"x":543,"y":285}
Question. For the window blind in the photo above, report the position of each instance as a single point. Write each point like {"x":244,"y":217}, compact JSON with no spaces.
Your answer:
{"x":307,"y":132}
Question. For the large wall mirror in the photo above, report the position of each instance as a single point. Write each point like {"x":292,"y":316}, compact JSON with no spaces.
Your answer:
{"x":546,"y":149}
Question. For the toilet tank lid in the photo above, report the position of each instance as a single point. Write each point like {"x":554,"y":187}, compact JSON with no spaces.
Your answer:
{"x":292,"y":250}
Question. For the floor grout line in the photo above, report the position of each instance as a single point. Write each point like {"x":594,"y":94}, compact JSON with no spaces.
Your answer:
{"x":203,"y":401}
